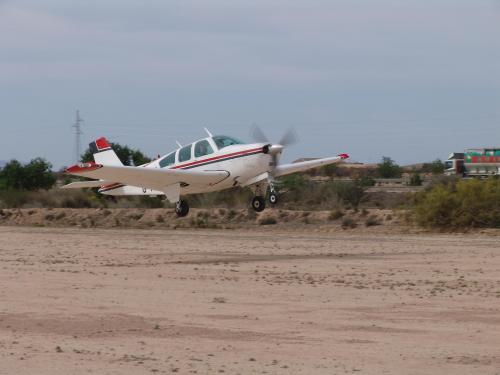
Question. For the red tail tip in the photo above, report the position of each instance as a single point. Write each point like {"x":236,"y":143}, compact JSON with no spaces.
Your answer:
{"x":343,"y":156}
{"x":102,"y":143}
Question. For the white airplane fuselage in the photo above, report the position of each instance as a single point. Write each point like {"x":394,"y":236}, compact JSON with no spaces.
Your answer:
{"x":244,"y":163}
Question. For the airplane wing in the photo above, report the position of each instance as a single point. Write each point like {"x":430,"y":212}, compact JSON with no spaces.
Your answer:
{"x":151,"y":178}
{"x":284,"y":169}
{"x":85,"y":184}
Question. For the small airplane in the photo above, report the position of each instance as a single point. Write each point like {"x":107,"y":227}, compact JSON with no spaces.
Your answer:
{"x":214,"y":163}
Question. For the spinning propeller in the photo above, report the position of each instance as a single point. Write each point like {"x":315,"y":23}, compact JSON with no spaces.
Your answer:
{"x":289,"y":138}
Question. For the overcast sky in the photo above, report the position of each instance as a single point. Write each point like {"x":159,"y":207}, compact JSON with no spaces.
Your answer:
{"x":411,"y":79}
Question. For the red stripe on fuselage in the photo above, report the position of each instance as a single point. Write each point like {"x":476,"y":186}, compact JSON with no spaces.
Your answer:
{"x":216,"y":158}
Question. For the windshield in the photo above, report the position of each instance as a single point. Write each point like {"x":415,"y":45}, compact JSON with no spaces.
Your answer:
{"x":223,"y":141}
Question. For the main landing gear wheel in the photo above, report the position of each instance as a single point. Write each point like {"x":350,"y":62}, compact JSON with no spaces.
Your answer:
{"x":182,"y":208}
{"x":273,"y":198}
{"x":258,"y":204}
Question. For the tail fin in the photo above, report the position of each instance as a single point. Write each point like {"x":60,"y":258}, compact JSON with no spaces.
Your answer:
{"x":103,"y":153}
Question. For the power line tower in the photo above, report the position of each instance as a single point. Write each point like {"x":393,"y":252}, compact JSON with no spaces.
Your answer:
{"x":78,"y":134}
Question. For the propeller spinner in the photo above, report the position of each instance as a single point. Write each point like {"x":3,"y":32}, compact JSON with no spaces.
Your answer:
{"x":289,"y":138}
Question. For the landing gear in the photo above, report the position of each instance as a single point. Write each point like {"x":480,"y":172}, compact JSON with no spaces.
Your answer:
{"x":273,"y":198}
{"x":258,"y":203}
{"x":181,"y":208}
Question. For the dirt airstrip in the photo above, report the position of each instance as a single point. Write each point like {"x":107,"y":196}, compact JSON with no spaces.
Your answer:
{"x":260,"y":301}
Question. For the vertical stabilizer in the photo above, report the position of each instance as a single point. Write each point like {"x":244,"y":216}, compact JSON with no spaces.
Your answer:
{"x":103,"y":153}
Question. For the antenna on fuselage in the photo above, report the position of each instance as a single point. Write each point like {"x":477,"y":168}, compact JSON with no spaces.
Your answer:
{"x":208,"y":132}
{"x":178,"y":144}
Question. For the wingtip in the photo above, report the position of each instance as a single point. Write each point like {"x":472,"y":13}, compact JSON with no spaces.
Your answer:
{"x":83,"y":167}
{"x":343,"y":156}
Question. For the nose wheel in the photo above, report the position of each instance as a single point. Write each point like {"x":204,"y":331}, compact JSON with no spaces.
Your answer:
{"x":273,"y":198}
{"x":258,"y":203}
{"x":181,"y":208}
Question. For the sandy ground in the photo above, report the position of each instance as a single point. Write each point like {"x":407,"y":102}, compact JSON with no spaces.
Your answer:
{"x":116,"y":301}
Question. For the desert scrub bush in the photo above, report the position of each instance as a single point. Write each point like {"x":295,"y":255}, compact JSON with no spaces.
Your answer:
{"x":136,"y":216}
{"x":76,"y":201}
{"x":268,"y":221}
{"x":198,"y":222}
{"x":372,"y":220}
{"x":349,"y":222}
{"x":466,"y":204}
{"x":49,"y":217}
{"x":150,"y":202}
{"x":13,"y":199}
{"x":335,"y":215}
{"x":366,"y":181}
{"x":204,"y":214}
{"x":231,"y":214}
{"x":350,"y":193}
{"x":415,"y":179}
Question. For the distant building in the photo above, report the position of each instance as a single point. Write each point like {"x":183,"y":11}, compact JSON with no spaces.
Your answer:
{"x":474,"y":162}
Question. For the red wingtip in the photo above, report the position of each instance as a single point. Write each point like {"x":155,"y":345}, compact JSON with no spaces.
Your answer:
{"x":83,"y":167}
{"x":102,"y":143}
{"x":343,"y":156}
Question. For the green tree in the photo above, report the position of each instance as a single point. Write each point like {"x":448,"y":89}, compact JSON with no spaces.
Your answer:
{"x":12,"y":175}
{"x":127,"y":155}
{"x":436,"y":167}
{"x":387,"y":168}
{"x":35,"y":175}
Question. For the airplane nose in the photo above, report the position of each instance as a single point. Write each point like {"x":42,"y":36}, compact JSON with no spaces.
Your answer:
{"x":273,"y":149}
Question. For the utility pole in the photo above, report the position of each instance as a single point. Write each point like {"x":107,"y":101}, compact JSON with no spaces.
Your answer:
{"x":78,"y":134}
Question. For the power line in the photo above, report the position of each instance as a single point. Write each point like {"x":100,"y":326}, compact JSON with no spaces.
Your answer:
{"x":78,"y":135}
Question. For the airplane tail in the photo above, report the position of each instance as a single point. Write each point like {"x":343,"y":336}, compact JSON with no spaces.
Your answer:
{"x":103,"y":153}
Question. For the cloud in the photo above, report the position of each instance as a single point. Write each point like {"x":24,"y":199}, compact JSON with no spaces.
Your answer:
{"x":190,"y":43}
{"x":225,"y":62}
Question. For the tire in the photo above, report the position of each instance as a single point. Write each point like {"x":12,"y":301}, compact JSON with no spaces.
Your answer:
{"x":273,"y":198}
{"x":182,"y":208}
{"x":258,"y":204}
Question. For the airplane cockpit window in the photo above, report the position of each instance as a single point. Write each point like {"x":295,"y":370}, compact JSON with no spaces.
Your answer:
{"x":202,"y":148}
{"x":167,"y":160}
{"x":185,"y":153}
{"x":223,"y":141}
